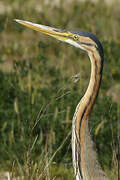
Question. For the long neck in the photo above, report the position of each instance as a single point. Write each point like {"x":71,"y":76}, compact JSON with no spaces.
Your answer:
{"x":85,"y":162}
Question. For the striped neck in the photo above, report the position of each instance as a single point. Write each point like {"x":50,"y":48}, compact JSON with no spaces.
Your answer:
{"x":84,"y":157}
{"x":87,"y":102}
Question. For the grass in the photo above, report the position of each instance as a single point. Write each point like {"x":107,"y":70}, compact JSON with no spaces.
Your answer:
{"x":38,"y":95}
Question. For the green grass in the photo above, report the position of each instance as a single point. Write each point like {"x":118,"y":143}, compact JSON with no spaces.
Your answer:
{"x":38,"y":96}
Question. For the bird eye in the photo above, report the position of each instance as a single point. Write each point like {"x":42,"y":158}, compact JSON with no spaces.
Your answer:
{"x":75,"y":37}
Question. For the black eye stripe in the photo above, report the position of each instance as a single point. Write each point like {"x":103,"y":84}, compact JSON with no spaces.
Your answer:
{"x":75,"y":37}
{"x":88,"y":44}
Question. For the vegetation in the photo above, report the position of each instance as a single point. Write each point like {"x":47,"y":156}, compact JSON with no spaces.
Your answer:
{"x":39,"y":94}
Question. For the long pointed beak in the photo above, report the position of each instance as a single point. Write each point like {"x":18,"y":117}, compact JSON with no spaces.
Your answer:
{"x":56,"y":33}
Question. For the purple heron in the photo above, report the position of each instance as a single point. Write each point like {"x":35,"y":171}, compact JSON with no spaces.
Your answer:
{"x":86,"y":166}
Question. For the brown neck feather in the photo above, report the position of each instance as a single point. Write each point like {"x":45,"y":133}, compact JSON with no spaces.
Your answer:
{"x":85,"y":162}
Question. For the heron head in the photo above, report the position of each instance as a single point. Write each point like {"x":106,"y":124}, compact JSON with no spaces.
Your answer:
{"x":80,"y":39}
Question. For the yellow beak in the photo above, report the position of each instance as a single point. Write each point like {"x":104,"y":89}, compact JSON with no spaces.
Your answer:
{"x":56,"y":33}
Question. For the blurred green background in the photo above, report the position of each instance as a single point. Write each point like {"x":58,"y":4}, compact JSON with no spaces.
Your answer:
{"x":38,"y":92}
